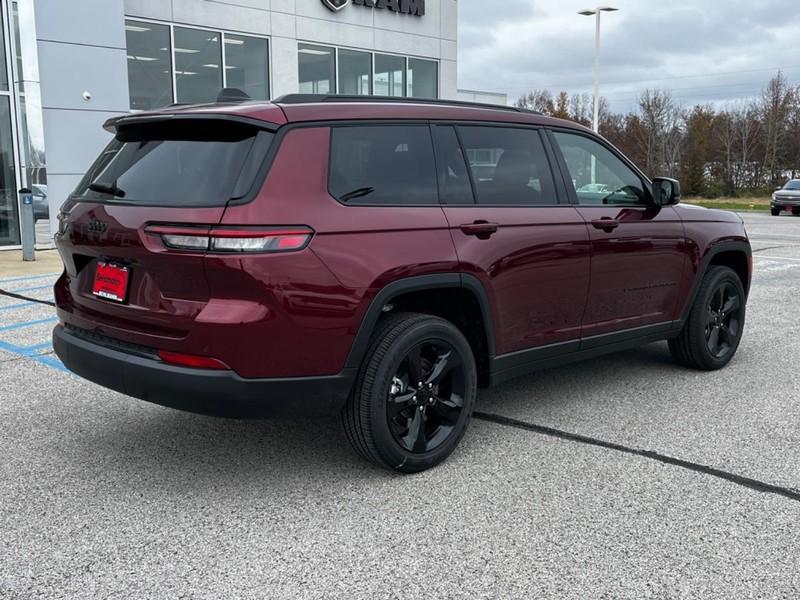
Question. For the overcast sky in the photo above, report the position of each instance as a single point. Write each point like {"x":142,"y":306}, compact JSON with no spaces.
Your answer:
{"x":701,"y":50}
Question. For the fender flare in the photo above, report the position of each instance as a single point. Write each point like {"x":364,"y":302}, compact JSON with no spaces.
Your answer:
{"x":714,"y":250}
{"x":436,"y":281}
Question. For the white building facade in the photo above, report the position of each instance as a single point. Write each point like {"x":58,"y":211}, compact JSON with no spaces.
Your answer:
{"x":69,"y":66}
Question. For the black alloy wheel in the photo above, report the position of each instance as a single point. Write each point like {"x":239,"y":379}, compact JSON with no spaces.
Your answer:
{"x":723,"y":321}
{"x":714,"y":326}
{"x":426,"y":397}
{"x":415,"y":392}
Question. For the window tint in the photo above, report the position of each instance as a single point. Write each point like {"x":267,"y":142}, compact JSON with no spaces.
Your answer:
{"x":390,"y":74}
{"x":149,"y":65}
{"x":198,"y":56}
{"x":247,"y":65}
{"x":599,"y":177}
{"x":316,"y":69}
{"x":454,"y":184}
{"x":423,"y":78}
{"x":185,"y":164}
{"x":383,"y":164}
{"x":355,"y":69}
{"x":509,"y":166}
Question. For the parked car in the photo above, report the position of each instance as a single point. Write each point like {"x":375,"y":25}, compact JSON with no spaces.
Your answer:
{"x":786,"y":198}
{"x":334,"y":255}
{"x":41,"y":209}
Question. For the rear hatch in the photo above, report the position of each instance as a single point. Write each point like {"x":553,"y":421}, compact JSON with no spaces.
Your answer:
{"x":121,"y":277}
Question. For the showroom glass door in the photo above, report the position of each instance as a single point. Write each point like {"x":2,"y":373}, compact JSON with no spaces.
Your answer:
{"x":9,"y":205}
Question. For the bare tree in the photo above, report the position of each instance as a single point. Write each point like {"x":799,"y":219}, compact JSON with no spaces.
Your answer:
{"x":538,"y":100}
{"x":745,"y":145}
{"x":660,"y":132}
{"x":776,"y":103}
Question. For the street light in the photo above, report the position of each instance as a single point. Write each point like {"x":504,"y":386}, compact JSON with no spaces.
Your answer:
{"x":589,"y":12}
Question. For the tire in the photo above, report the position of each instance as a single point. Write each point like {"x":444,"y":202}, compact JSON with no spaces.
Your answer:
{"x":775,"y":211}
{"x":421,"y":427}
{"x":796,"y":212}
{"x":710,"y":337}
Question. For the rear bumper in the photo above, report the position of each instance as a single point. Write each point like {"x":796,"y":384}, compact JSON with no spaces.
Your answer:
{"x":218,"y":393}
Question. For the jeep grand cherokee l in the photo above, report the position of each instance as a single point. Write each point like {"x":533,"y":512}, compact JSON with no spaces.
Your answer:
{"x":380,"y":260}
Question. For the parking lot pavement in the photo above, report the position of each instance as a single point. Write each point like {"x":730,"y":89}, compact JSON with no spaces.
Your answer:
{"x":102,"y":496}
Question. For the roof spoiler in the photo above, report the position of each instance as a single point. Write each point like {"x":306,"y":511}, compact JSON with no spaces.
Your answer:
{"x":114,"y":123}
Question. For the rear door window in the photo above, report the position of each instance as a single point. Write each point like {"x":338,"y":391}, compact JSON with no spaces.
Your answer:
{"x":509,"y":166}
{"x":183,"y":163}
{"x":454,"y":182}
{"x":383,"y":165}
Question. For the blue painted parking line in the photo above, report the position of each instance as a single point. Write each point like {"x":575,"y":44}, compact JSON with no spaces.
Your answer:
{"x":23,"y":305}
{"x":37,"y":347}
{"x":27,"y":324}
{"x":28,"y":277}
{"x":49,"y":361}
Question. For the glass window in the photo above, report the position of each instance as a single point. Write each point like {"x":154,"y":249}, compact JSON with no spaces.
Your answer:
{"x":149,"y":65}
{"x":247,"y":65}
{"x":3,"y":69}
{"x":198,"y":56}
{"x":390,"y":74}
{"x":509,"y":166}
{"x":185,"y":163}
{"x":9,"y":217}
{"x":383,"y":164}
{"x":599,"y":177}
{"x":355,"y":69}
{"x":317,"y":69}
{"x":454,"y":184}
{"x":423,"y":78}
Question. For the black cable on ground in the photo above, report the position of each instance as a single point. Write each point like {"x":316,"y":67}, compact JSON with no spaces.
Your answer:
{"x":26,"y":298}
{"x":753,"y":484}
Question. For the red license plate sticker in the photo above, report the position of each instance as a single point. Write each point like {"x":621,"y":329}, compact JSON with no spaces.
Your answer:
{"x":111,"y":282}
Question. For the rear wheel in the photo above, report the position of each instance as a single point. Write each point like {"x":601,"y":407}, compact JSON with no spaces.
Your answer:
{"x":415,"y":394}
{"x":711,"y":335}
{"x":775,"y":211}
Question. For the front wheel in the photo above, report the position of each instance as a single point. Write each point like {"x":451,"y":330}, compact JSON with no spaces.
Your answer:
{"x":796,"y":212}
{"x":712,"y":332}
{"x":775,"y":211}
{"x":414,"y":395}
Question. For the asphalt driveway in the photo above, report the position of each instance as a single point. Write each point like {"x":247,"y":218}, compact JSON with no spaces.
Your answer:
{"x":679,"y":484}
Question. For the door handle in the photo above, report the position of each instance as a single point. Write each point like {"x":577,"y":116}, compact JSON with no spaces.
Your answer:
{"x":607,"y":224}
{"x":483,"y":230}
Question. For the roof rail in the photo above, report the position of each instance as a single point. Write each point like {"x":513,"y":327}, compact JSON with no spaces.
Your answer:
{"x":317,"y":98}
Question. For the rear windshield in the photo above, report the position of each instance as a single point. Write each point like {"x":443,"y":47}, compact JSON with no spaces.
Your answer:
{"x":182,"y":163}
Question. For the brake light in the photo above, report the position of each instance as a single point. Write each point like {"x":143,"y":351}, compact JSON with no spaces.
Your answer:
{"x":233,"y":239}
{"x":191,"y":360}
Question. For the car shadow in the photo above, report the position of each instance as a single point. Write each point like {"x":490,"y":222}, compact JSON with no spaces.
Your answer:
{"x":190,"y":451}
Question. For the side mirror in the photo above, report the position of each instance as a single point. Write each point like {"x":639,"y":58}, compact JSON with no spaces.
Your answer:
{"x":666,"y":191}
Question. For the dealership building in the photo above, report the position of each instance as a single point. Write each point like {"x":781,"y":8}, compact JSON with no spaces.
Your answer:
{"x":67,"y":66}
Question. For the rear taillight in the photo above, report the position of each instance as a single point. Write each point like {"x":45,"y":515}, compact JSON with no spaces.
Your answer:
{"x":233,"y":239}
{"x":192,"y":361}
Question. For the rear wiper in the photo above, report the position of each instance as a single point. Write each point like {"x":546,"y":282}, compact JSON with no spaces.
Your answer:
{"x":105,"y":188}
{"x":359,"y":193}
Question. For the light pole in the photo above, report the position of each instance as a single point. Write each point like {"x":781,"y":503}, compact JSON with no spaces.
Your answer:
{"x":589,"y":12}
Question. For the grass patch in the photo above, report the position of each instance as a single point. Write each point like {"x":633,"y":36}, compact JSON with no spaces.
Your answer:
{"x":731,"y":203}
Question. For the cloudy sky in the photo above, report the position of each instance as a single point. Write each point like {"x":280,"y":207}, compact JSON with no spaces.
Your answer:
{"x":701,"y":50}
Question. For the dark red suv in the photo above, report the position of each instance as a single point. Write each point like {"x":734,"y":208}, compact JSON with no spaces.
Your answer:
{"x":380,"y":259}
